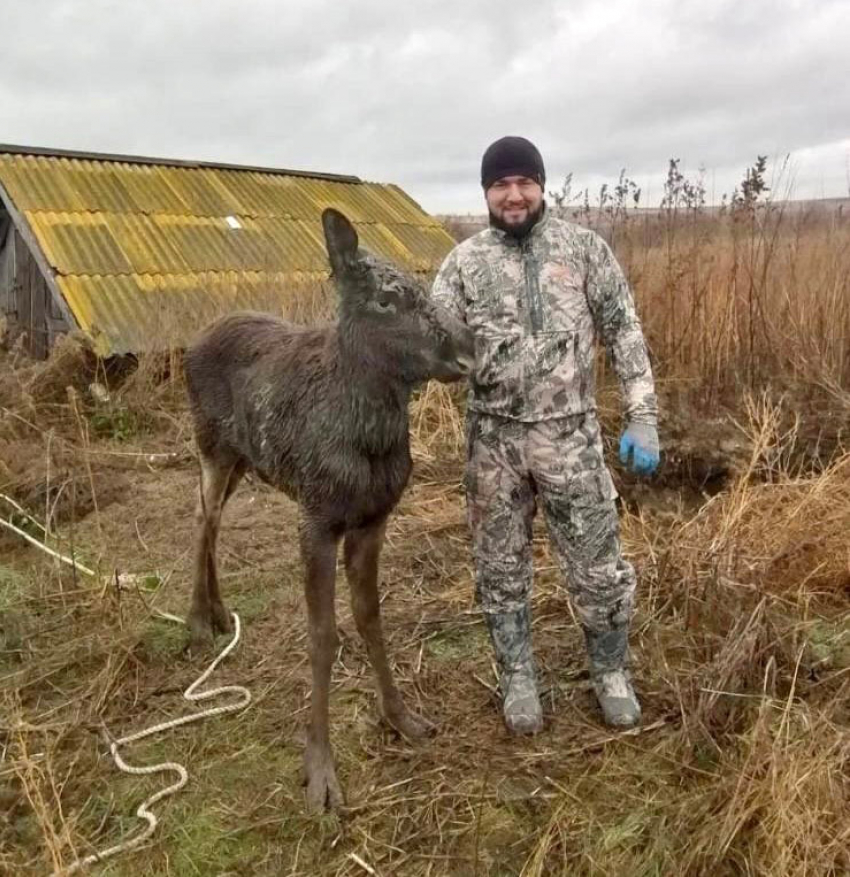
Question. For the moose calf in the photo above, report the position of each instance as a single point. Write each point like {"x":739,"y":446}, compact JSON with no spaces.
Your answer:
{"x":321,"y":414}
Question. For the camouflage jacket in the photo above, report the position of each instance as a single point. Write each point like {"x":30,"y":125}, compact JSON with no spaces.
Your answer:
{"x":535,"y":308}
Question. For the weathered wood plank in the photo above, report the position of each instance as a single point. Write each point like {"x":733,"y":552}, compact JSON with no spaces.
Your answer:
{"x":7,"y":267}
{"x":47,"y":272}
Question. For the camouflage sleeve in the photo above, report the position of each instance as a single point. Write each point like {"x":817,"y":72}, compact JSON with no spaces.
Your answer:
{"x":448,"y":286}
{"x":618,"y":325}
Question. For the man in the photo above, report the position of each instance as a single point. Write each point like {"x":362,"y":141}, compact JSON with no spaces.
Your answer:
{"x":536,"y":291}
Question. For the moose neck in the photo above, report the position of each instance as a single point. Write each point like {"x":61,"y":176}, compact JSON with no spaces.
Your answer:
{"x":374,"y":395}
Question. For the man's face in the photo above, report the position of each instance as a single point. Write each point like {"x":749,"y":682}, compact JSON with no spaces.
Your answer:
{"x":515,"y":203}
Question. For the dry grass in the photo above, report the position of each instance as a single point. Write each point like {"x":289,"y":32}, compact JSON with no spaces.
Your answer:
{"x":742,"y":637}
{"x":743,"y":299}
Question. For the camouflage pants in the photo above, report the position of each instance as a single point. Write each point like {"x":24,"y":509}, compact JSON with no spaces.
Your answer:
{"x":513,"y":465}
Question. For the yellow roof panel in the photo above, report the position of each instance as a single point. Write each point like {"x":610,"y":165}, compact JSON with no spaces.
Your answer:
{"x":150,"y":192}
{"x":78,"y":243}
{"x":126,"y":314}
{"x":38,"y":184}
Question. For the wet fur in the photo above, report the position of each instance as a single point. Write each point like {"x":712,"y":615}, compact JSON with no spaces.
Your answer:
{"x":293,"y":406}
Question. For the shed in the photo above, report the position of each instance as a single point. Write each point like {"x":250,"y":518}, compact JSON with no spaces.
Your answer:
{"x":138,"y":253}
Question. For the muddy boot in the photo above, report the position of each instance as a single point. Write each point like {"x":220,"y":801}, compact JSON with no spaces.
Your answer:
{"x":612,"y":683}
{"x":510,"y":633}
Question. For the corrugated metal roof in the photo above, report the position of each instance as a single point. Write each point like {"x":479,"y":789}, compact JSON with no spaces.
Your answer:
{"x":139,"y":308}
{"x":144,"y":254}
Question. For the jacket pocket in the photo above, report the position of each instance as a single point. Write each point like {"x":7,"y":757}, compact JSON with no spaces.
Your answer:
{"x":497,"y":362}
{"x":591,"y":487}
{"x":555,"y":351}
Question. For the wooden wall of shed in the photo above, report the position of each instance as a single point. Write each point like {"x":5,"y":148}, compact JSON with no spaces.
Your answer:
{"x":7,"y":264}
{"x":26,"y":301}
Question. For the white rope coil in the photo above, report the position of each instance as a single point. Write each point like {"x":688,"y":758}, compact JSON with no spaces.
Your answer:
{"x":143,"y":811}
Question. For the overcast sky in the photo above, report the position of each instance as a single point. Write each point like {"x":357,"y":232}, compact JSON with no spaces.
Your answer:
{"x":412,"y":92}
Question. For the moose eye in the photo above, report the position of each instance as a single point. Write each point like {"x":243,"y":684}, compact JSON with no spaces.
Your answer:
{"x":382,"y":306}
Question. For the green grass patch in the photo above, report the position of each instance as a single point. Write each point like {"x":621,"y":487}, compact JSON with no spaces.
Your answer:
{"x":829,"y":642}
{"x":458,"y":643}
{"x":228,"y":819}
{"x":12,"y":587}
{"x":12,"y":590}
{"x":250,"y":605}
{"x":118,"y":424}
{"x":164,"y":640}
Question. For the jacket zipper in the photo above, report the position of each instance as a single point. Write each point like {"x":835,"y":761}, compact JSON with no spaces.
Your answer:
{"x":531,"y":273}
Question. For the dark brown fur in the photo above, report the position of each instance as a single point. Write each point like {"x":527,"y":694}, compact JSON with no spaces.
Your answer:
{"x":322,"y":415}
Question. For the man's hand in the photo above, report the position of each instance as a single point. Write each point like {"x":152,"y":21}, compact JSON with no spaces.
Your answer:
{"x":639,"y":448}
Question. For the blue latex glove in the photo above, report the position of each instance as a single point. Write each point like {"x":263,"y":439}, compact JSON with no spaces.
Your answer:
{"x":639,"y":448}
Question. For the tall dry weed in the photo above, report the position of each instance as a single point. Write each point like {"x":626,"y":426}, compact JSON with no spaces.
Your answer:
{"x":744,"y":632}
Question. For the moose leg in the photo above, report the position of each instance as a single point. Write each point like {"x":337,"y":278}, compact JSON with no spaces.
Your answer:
{"x":318,"y":550}
{"x":220,"y":615}
{"x":362,"y":551}
{"x":208,"y":613}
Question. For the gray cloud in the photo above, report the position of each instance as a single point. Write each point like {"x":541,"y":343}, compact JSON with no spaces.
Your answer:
{"x":412,"y":93}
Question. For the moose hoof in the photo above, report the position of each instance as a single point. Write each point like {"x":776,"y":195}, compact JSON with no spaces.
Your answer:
{"x":201,"y":633}
{"x":204,"y":624}
{"x":410,"y":724}
{"x":323,"y":790}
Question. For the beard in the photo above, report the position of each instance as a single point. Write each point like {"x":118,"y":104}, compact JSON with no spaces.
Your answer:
{"x":518,"y":230}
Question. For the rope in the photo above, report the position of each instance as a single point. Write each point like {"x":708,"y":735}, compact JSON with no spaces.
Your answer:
{"x":143,"y":811}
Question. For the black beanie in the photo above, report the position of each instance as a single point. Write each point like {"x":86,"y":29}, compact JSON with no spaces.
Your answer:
{"x":512,"y":157}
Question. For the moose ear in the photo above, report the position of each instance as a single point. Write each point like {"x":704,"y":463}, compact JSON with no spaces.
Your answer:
{"x":340,"y":239}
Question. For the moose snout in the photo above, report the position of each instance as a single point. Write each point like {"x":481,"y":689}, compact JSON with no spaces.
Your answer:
{"x":465,"y":352}
{"x":461,"y":358}
{"x":455,"y":355}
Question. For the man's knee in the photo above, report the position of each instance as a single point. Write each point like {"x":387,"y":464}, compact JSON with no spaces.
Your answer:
{"x":604,"y":597}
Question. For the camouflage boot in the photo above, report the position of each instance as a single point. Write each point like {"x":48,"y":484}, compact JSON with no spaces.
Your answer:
{"x":510,"y":633}
{"x":612,"y":682}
